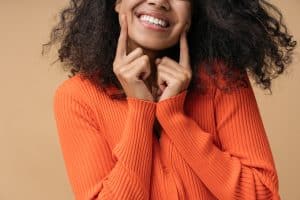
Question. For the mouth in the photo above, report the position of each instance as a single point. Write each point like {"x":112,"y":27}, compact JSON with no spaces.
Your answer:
{"x":153,"y":20}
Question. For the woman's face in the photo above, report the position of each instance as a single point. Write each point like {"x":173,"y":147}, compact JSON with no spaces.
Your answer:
{"x":155,"y":24}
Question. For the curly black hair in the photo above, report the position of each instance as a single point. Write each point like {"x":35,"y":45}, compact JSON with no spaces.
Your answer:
{"x":245,"y":35}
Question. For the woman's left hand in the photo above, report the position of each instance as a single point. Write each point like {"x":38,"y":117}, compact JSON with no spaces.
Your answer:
{"x":176,"y":75}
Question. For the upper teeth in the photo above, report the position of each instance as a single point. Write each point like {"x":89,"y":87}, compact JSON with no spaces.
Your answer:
{"x":153,"y":20}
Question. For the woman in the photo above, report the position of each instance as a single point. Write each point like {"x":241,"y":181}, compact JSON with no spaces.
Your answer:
{"x":162,"y":107}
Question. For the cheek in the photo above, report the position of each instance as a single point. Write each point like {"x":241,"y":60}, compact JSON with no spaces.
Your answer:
{"x":186,"y":18}
{"x":128,"y":6}
{"x":183,"y":11}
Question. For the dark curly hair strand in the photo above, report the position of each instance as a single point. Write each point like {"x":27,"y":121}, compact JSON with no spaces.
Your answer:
{"x":245,"y":35}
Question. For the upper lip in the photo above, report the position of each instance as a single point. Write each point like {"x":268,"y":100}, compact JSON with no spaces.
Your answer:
{"x":154,"y":14}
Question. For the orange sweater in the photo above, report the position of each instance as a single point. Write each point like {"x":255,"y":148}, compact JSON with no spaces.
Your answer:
{"x":212,"y":146}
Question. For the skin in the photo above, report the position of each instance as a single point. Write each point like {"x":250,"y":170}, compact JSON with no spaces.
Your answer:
{"x":140,"y":62}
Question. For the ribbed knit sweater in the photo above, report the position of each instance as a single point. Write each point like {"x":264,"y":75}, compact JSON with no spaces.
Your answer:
{"x":212,"y":145}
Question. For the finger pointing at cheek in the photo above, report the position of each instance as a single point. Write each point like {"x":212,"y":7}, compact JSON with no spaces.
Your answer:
{"x":184,"y":59}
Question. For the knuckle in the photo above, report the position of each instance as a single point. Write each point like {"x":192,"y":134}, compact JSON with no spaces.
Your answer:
{"x":115,"y":65}
{"x":115,"y":70}
{"x":145,"y":60}
{"x":159,"y":66}
{"x":181,"y":79}
{"x":122,"y":70}
{"x":187,"y":73}
{"x":127,"y":77}
{"x":139,"y":50}
{"x":142,"y":62}
{"x":177,"y":81}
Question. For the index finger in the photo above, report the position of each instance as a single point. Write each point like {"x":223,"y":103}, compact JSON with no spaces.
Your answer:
{"x":184,"y":59}
{"x":122,"y":41}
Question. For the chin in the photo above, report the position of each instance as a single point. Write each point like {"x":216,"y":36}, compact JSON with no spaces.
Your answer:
{"x":153,"y":44}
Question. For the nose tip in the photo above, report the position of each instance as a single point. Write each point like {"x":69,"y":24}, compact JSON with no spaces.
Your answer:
{"x":162,"y":4}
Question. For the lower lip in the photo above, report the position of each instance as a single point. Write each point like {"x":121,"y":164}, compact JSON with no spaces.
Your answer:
{"x":152,"y":26}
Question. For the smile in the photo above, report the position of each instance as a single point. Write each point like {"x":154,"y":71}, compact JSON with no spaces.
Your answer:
{"x":153,"y":21}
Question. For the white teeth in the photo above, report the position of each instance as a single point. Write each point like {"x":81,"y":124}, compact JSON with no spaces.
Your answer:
{"x":153,"y":20}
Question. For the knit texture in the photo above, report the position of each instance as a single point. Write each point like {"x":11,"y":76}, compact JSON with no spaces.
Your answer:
{"x":212,"y":146}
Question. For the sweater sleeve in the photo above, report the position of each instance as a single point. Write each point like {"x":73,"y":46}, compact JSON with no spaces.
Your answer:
{"x":244,"y":168}
{"x":94,"y":170}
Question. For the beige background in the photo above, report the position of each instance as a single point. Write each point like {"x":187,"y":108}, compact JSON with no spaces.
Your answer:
{"x":31,"y":164}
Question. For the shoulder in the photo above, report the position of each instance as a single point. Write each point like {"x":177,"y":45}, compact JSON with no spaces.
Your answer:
{"x":217,"y":76}
{"x":78,"y":88}
{"x":74,"y":85}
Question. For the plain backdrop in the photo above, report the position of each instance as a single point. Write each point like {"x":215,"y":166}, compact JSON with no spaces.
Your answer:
{"x":31,"y":163}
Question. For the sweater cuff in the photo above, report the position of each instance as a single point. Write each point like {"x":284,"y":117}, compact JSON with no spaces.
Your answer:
{"x":134,"y":149}
{"x":170,"y":107}
{"x":142,"y":111}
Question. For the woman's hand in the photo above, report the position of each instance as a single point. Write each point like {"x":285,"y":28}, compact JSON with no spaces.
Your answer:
{"x":176,"y":75}
{"x":131,"y":70}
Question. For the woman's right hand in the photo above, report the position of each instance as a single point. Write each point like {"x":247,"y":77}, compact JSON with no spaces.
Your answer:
{"x":132,"y":69}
